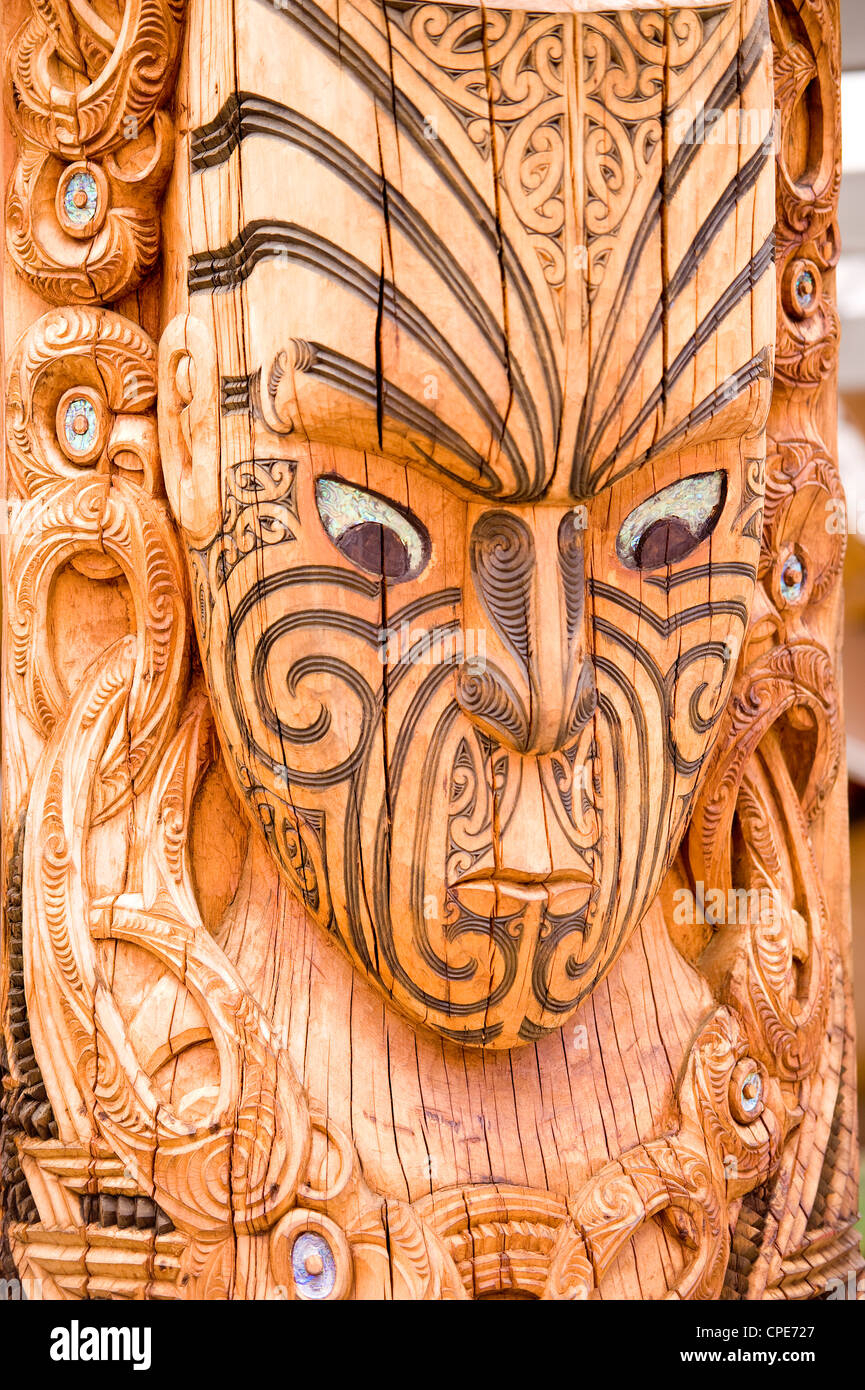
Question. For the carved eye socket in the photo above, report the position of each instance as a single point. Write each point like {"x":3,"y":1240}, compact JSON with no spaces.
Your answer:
{"x":372,"y":532}
{"x":667,"y":527}
{"x":81,"y":425}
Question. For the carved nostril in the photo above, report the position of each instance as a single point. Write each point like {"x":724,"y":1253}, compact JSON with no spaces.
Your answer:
{"x":572,"y":566}
{"x":487,"y":697}
{"x":584,"y":704}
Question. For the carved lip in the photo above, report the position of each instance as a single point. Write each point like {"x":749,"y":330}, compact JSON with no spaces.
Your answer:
{"x":563,"y":892}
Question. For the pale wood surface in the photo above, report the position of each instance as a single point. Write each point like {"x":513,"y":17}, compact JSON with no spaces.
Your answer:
{"x":263,"y":1036}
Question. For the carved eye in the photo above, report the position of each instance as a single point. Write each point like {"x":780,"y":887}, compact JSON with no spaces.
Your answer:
{"x":372,"y":532}
{"x":81,"y":199}
{"x":667,"y":527}
{"x":81,"y":425}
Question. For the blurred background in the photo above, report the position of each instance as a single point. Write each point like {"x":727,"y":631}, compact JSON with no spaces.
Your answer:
{"x":851,"y":446}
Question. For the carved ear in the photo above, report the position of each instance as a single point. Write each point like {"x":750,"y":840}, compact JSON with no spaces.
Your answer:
{"x":188,"y":406}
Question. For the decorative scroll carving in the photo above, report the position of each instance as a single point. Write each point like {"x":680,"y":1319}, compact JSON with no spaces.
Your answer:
{"x":504,"y":79}
{"x":508,"y":623}
{"x":653,"y":59}
{"x":84,"y":94}
{"x":808,"y":174}
{"x":81,"y":391}
{"x":227,"y":1158}
{"x":770,"y":787}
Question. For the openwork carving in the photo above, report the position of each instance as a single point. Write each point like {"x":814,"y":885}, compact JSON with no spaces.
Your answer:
{"x":773,"y":775}
{"x":229,"y":1157}
{"x":85,"y":93}
{"x":369,"y":717}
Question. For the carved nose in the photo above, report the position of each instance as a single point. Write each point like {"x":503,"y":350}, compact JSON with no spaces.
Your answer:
{"x":133,"y":446}
{"x":529,"y":683}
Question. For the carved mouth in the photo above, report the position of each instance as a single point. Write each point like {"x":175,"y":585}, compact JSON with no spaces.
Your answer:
{"x":506,"y":890}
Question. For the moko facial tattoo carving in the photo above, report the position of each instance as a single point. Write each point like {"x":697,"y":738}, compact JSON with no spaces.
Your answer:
{"x":449,"y":389}
{"x":422,"y":752}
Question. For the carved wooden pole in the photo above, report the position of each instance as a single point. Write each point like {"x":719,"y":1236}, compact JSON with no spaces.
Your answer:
{"x":422,"y":755}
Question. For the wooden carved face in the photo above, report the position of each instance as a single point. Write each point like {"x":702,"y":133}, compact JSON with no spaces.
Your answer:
{"x":462,"y":423}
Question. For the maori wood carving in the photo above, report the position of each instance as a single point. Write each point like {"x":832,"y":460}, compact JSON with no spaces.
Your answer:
{"x":422,"y":751}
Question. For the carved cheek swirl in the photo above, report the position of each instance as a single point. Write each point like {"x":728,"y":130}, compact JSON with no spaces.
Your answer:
{"x":305,"y":690}
{"x":293,"y":676}
{"x":313,"y":711}
{"x":696,"y":686}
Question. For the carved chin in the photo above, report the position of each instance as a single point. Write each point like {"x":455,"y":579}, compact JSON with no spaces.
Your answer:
{"x":490,"y":961}
{"x":494,"y":979}
{"x":447,"y":896}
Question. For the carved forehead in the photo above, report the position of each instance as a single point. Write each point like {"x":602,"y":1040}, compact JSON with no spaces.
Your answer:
{"x":606,"y":177}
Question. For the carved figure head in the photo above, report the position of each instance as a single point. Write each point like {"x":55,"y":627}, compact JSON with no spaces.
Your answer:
{"x":462,"y":417}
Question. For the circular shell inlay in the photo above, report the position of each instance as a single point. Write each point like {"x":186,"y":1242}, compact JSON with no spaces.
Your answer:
{"x":80,"y":425}
{"x":313,"y":1266}
{"x":792,"y":579}
{"x":82,"y":199}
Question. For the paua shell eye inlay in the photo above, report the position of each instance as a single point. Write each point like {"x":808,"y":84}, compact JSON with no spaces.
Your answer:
{"x":747,"y":1091}
{"x":792,"y":578}
{"x":668,"y":526}
{"x":313,"y":1266}
{"x":372,"y":532}
{"x":751,"y":1092}
{"x":80,"y":198}
{"x":805,"y":288}
{"x":80,"y":425}
{"x":802,"y":288}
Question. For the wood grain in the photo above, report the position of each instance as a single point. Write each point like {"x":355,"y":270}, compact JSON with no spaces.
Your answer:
{"x":423,"y":759}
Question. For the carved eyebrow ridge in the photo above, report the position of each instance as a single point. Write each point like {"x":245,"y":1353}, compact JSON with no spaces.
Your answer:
{"x":246,"y":114}
{"x":362,"y":382}
{"x":334,"y":40}
{"x":744,"y":282}
{"x":259,"y":241}
{"x":758,"y":367}
{"x":732,"y":82}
